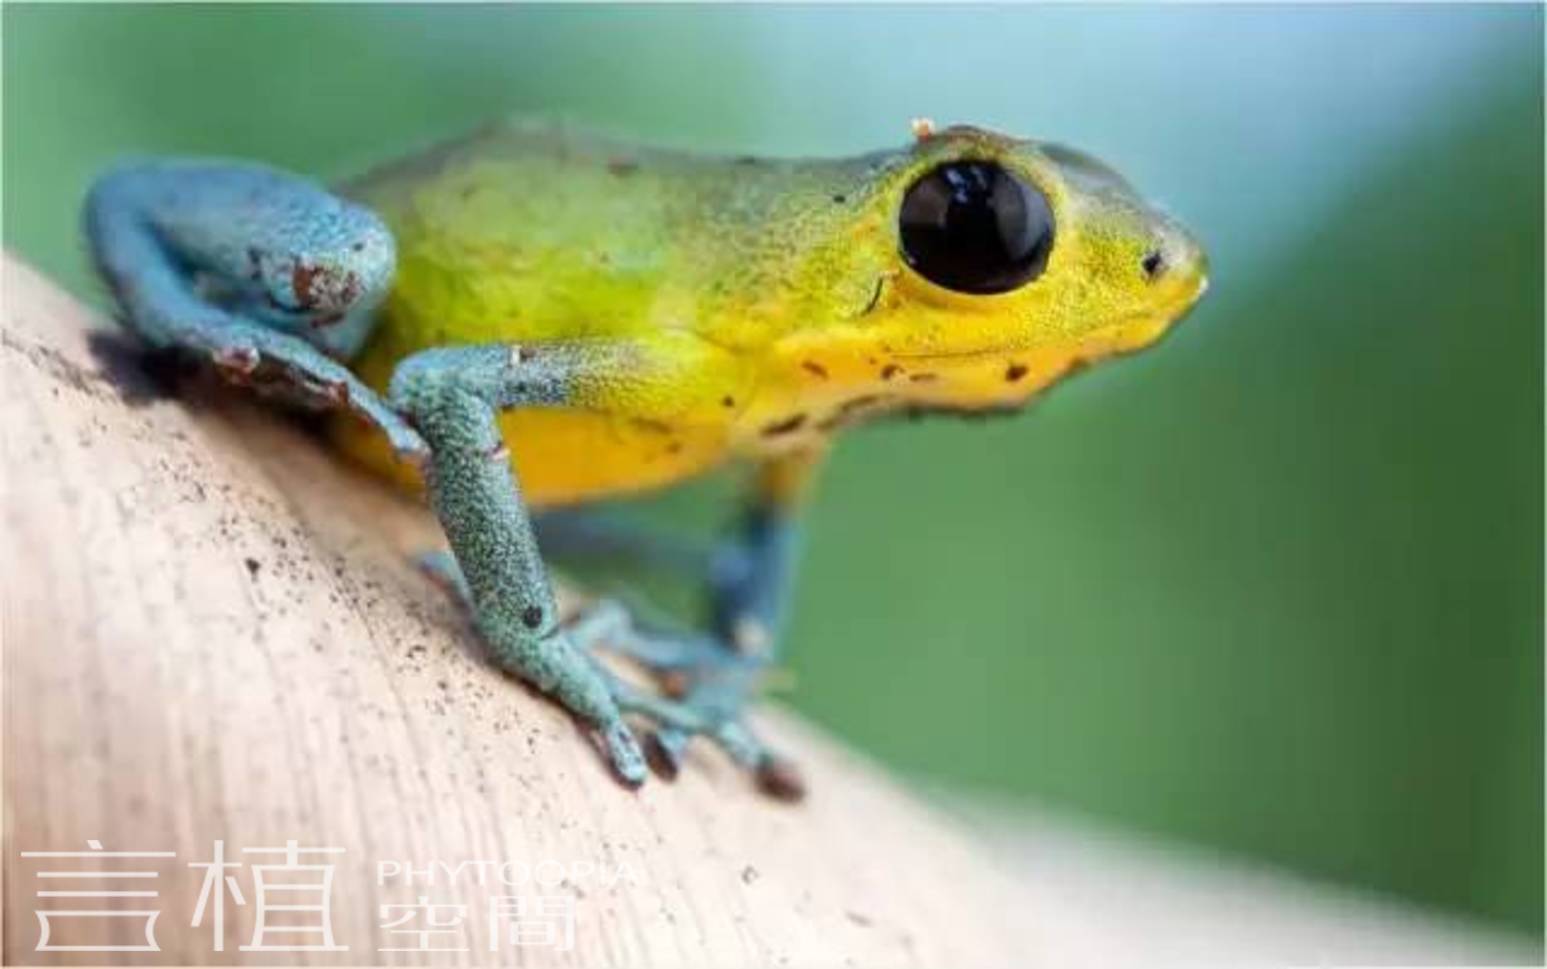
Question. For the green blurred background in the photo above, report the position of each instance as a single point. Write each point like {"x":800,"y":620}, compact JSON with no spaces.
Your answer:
{"x":1275,"y":587}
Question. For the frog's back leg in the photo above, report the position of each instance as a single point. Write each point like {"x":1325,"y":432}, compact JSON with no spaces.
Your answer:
{"x":266,"y":274}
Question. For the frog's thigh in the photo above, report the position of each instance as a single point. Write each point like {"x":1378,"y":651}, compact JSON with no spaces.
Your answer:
{"x":265,"y":273}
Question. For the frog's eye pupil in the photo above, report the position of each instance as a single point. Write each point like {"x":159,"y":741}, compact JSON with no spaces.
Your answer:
{"x":973,"y":227}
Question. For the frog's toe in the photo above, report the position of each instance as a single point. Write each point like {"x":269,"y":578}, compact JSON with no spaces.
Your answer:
{"x":624,"y":753}
{"x":776,"y":776}
{"x":665,"y":749}
{"x":711,"y":708}
{"x":781,"y":778}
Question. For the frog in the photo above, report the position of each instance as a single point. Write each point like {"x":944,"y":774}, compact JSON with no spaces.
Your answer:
{"x":531,"y":320}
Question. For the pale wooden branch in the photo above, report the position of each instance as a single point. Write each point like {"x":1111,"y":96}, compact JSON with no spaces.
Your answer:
{"x":211,"y":632}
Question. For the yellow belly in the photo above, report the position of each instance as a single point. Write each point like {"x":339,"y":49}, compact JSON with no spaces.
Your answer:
{"x":567,"y":456}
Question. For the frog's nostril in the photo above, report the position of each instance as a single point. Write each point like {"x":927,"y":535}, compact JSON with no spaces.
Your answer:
{"x":1153,"y":264}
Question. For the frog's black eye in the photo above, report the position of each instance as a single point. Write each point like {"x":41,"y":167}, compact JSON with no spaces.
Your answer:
{"x":973,"y":227}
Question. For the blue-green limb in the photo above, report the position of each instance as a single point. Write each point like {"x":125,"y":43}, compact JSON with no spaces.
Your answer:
{"x":750,"y":581}
{"x":265,"y":274}
{"x":604,"y":626}
{"x":453,"y":396}
{"x":275,"y":281}
{"x":747,"y":575}
{"x":598,"y":534}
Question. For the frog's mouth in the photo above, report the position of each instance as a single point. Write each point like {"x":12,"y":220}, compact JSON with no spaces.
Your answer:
{"x":1000,"y":380}
{"x":1125,"y":334}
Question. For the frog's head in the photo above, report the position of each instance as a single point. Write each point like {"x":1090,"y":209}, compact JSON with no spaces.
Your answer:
{"x":1003,"y":264}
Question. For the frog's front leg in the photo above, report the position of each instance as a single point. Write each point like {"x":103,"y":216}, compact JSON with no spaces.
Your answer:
{"x":452,"y":395}
{"x":266,"y":274}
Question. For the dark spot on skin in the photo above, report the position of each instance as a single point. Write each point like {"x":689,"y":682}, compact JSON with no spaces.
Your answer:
{"x":253,"y":565}
{"x":850,"y":410}
{"x":1015,"y":372}
{"x":301,"y":282}
{"x":622,"y":166}
{"x":675,"y":447}
{"x":924,"y":378}
{"x":786,"y":426}
{"x":920,"y":411}
{"x":532,"y":617}
{"x":875,"y":297}
{"x":1153,"y":264}
{"x":840,"y":198}
{"x":727,"y":401}
{"x":863,"y":921}
{"x":889,"y":371}
{"x":653,"y":426}
{"x":236,"y":361}
{"x":814,"y":368}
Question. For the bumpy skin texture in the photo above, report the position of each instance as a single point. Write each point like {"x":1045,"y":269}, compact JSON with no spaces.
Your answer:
{"x":605,"y":319}
{"x":271,"y":277}
{"x":767,"y":299}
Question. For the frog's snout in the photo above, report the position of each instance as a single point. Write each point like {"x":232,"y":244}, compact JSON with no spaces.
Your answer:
{"x":1174,"y":264}
{"x":1170,"y":268}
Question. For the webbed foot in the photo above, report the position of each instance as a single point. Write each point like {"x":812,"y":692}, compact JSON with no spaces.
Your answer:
{"x":705,"y":688}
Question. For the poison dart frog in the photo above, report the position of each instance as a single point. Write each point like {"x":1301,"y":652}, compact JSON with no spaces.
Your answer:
{"x":529,"y":320}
